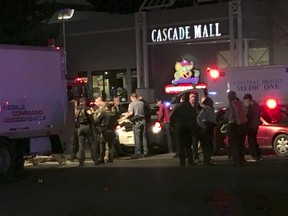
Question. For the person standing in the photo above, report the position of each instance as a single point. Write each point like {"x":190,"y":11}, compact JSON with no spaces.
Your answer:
{"x":137,"y":115}
{"x":108,"y":130}
{"x":164,"y":118}
{"x":207,"y":121}
{"x":98,"y":116}
{"x":194,"y":101}
{"x":74,"y":142}
{"x":85,"y":132}
{"x":118,"y":108}
{"x":253,"y":117}
{"x":147,"y":109}
{"x":235,"y":116}
{"x":183,"y":118}
{"x":147,"y":114}
{"x":172,"y":130}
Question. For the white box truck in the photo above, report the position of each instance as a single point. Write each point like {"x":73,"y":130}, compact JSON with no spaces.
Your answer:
{"x":34,"y":115}
{"x":262,"y":82}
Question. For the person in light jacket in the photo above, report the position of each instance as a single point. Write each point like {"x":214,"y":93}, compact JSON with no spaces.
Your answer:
{"x":206,"y":119}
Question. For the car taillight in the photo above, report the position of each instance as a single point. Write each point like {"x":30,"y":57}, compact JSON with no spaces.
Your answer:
{"x":271,"y":103}
{"x":157,"y":127}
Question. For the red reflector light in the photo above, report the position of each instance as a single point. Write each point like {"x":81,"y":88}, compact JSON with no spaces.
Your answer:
{"x":271,"y":103}
{"x":214,"y":73}
{"x":79,"y":80}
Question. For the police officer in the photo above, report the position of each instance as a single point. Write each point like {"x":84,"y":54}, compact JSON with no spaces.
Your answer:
{"x":118,"y":109}
{"x":183,"y":119}
{"x":137,"y":115}
{"x":74,"y":142}
{"x":85,"y":132}
{"x":98,"y":116}
{"x":108,"y":130}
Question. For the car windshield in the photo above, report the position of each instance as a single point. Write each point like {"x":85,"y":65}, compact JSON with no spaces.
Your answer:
{"x":274,"y":116}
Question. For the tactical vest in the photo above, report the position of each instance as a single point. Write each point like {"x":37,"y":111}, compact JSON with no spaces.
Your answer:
{"x":110,"y":120}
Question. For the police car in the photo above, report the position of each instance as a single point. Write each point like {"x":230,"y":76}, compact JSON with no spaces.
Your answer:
{"x":156,"y":135}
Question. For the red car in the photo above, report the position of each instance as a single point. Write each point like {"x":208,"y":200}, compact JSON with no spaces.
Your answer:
{"x":272,"y":133}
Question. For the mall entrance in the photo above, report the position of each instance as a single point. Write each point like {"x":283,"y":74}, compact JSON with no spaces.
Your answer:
{"x":111,"y":83}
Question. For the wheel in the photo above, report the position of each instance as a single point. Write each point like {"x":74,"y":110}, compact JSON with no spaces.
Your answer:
{"x":280,"y":145}
{"x":11,"y":161}
{"x":5,"y":160}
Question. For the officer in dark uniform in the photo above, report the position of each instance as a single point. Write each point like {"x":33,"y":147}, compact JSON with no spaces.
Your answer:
{"x":99,"y":115}
{"x":118,"y":109}
{"x":85,"y":132}
{"x":74,"y":142}
{"x":108,"y":126}
{"x":183,"y":119}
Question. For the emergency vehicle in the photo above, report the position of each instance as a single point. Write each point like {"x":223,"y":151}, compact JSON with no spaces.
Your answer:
{"x":266,"y":84}
{"x":35,"y":115}
{"x":77,"y":88}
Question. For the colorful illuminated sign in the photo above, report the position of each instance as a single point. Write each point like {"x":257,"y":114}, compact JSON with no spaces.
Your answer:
{"x":185,"y":73}
{"x":185,"y":77}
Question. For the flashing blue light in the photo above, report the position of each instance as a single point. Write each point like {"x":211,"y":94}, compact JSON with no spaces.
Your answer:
{"x":167,"y":103}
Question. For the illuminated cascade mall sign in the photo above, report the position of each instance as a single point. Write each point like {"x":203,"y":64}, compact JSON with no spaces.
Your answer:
{"x":185,"y":77}
{"x":210,"y":30}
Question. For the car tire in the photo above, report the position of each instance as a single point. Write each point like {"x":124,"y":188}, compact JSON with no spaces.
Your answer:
{"x":280,"y":145}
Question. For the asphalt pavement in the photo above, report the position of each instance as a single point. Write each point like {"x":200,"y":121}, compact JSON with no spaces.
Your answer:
{"x":155,"y":185}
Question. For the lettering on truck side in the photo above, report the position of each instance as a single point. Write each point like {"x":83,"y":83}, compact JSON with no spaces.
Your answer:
{"x":18,"y":113}
{"x":257,"y":85}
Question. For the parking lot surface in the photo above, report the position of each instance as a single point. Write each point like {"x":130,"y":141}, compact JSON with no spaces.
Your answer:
{"x":150,"y":186}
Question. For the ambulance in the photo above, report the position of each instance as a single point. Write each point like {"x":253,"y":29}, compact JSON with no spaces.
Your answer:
{"x":268,"y":87}
{"x":266,"y":84}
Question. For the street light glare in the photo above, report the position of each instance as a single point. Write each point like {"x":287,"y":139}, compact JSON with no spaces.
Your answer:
{"x":66,"y":13}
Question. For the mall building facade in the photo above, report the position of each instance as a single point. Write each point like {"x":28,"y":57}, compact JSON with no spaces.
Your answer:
{"x":138,"y":52}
